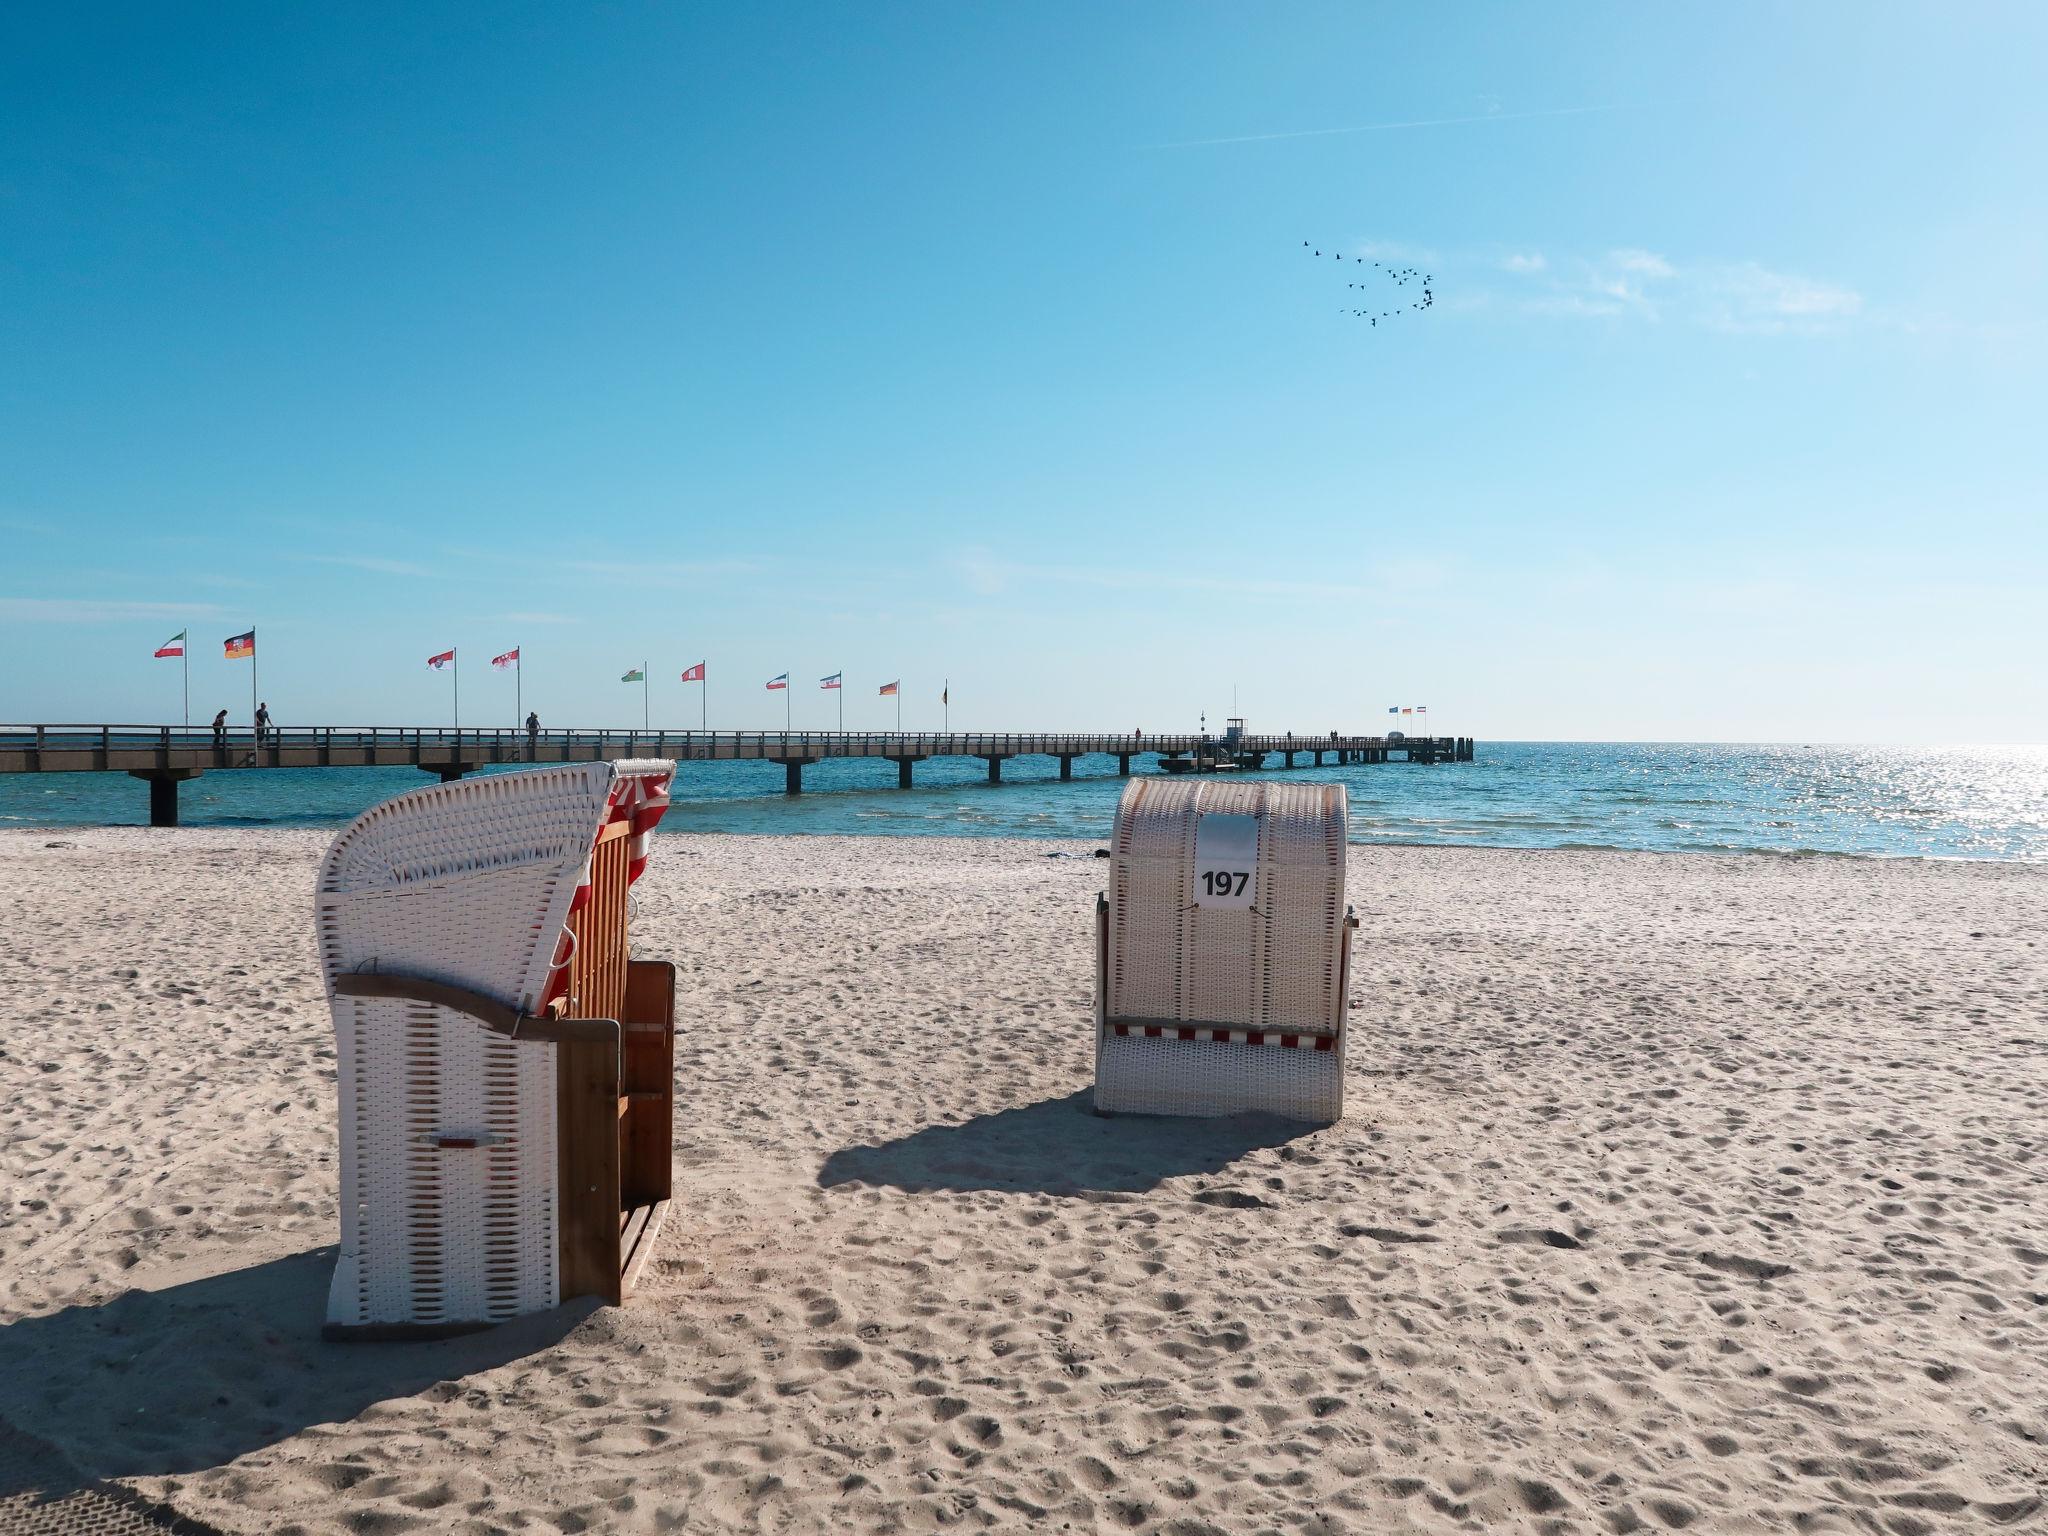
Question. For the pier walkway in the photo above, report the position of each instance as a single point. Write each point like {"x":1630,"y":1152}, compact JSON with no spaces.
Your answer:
{"x":165,"y":756}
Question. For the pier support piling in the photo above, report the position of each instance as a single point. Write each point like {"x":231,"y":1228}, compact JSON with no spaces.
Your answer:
{"x":1066,"y":766}
{"x":792,"y":775}
{"x":995,"y":769}
{"x":163,"y":791}
{"x":903,"y":776}
{"x":1123,"y":765}
{"x":448,"y":772}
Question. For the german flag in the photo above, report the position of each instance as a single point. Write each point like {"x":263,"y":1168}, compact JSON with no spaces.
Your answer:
{"x":240,"y":647}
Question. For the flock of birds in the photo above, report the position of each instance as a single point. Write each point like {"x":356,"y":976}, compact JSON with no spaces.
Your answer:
{"x":1400,"y":277}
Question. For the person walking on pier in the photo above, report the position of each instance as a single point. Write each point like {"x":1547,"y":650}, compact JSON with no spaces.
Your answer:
{"x":532,"y":735}
{"x":220,"y":730}
{"x":262,"y":722}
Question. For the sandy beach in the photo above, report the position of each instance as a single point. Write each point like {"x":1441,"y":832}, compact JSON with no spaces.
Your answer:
{"x":1673,"y":1191}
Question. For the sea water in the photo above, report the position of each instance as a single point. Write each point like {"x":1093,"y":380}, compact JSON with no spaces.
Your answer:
{"x":1941,"y":802}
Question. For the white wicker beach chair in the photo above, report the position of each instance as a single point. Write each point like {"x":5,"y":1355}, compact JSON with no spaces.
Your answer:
{"x":505,"y":1070}
{"x":1223,"y":951}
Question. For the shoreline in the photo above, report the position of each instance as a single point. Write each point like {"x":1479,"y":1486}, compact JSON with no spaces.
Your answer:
{"x":1697,"y":1190}
{"x":326,"y":832}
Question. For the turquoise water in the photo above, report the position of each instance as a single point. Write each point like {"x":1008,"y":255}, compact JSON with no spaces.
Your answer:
{"x":1948,"y":802}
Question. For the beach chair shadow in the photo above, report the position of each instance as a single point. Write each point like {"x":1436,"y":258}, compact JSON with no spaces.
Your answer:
{"x":1058,"y":1147}
{"x":164,"y":1382}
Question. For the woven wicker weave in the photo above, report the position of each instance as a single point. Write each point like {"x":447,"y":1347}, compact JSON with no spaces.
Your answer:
{"x":468,"y":883}
{"x":1276,"y":968}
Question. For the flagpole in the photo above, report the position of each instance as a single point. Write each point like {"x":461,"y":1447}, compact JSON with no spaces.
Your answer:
{"x":842,"y":703}
{"x":187,"y":659}
{"x":644,"y":726}
{"x":252,"y":690}
{"x":899,"y":709}
{"x":704,"y":699}
{"x":787,"y":691}
{"x":455,"y":677}
{"x":518,"y":688}
{"x":946,"y":707}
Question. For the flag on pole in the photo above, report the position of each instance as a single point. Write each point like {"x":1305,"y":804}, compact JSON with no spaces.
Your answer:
{"x":509,"y":659}
{"x":175,"y":646}
{"x":634,"y":676}
{"x":830,"y":682}
{"x":694,"y":674}
{"x":780,"y":680}
{"x":1422,"y":709}
{"x":1393,"y":709}
{"x":1407,"y":711}
{"x":889,"y":688}
{"x":442,"y":660}
{"x":945,"y":694}
{"x":239,"y":647}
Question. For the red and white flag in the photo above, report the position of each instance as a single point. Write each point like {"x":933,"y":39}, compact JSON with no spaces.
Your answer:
{"x":778,"y":682}
{"x":175,"y":646}
{"x":509,"y":659}
{"x":694,"y":674}
{"x":440,"y":661}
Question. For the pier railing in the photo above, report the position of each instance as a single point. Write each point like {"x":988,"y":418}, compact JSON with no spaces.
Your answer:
{"x":71,"y":740}
{"x":166,"y":754}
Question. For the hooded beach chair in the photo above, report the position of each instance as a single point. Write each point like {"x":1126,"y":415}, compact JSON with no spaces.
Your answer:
{"x":1223,"y":951}
{"x":505,"y":1069}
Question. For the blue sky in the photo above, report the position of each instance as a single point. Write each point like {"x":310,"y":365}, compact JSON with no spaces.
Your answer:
{"x":978,"y":343}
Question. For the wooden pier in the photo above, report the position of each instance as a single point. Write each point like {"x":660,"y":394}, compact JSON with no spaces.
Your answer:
{"x":166,"y":756}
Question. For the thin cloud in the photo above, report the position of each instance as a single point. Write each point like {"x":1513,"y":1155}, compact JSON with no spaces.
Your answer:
{"x":1646,"y":263}
{"x":527,"y":618}
{"x":375,"y":564}
{"x":1422,"y":122}
{"x":1632,"y":282}
{"x":1755,"y":298}
{"x":987,"y":575}
{"x":662,"y":573}
{"x":97,"y":610}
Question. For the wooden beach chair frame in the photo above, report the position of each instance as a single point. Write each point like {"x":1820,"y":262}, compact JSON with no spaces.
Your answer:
{"x":579,"y":1177}
{"x":1259,"y":1042}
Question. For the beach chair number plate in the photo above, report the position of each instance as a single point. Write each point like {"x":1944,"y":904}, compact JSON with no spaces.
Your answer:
{"x":1226,"y":861}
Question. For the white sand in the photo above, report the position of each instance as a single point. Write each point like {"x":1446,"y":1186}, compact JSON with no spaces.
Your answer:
{"x":1674,"y":1190}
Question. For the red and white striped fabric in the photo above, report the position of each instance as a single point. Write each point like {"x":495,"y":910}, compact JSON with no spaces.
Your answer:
{"x":639,"y":796}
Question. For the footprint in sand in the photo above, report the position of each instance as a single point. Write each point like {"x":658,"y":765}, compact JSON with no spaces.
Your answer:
{"x":1096,"y":1473}
{"x":1748,"y":1269}
{"x":1232,"y":1199}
